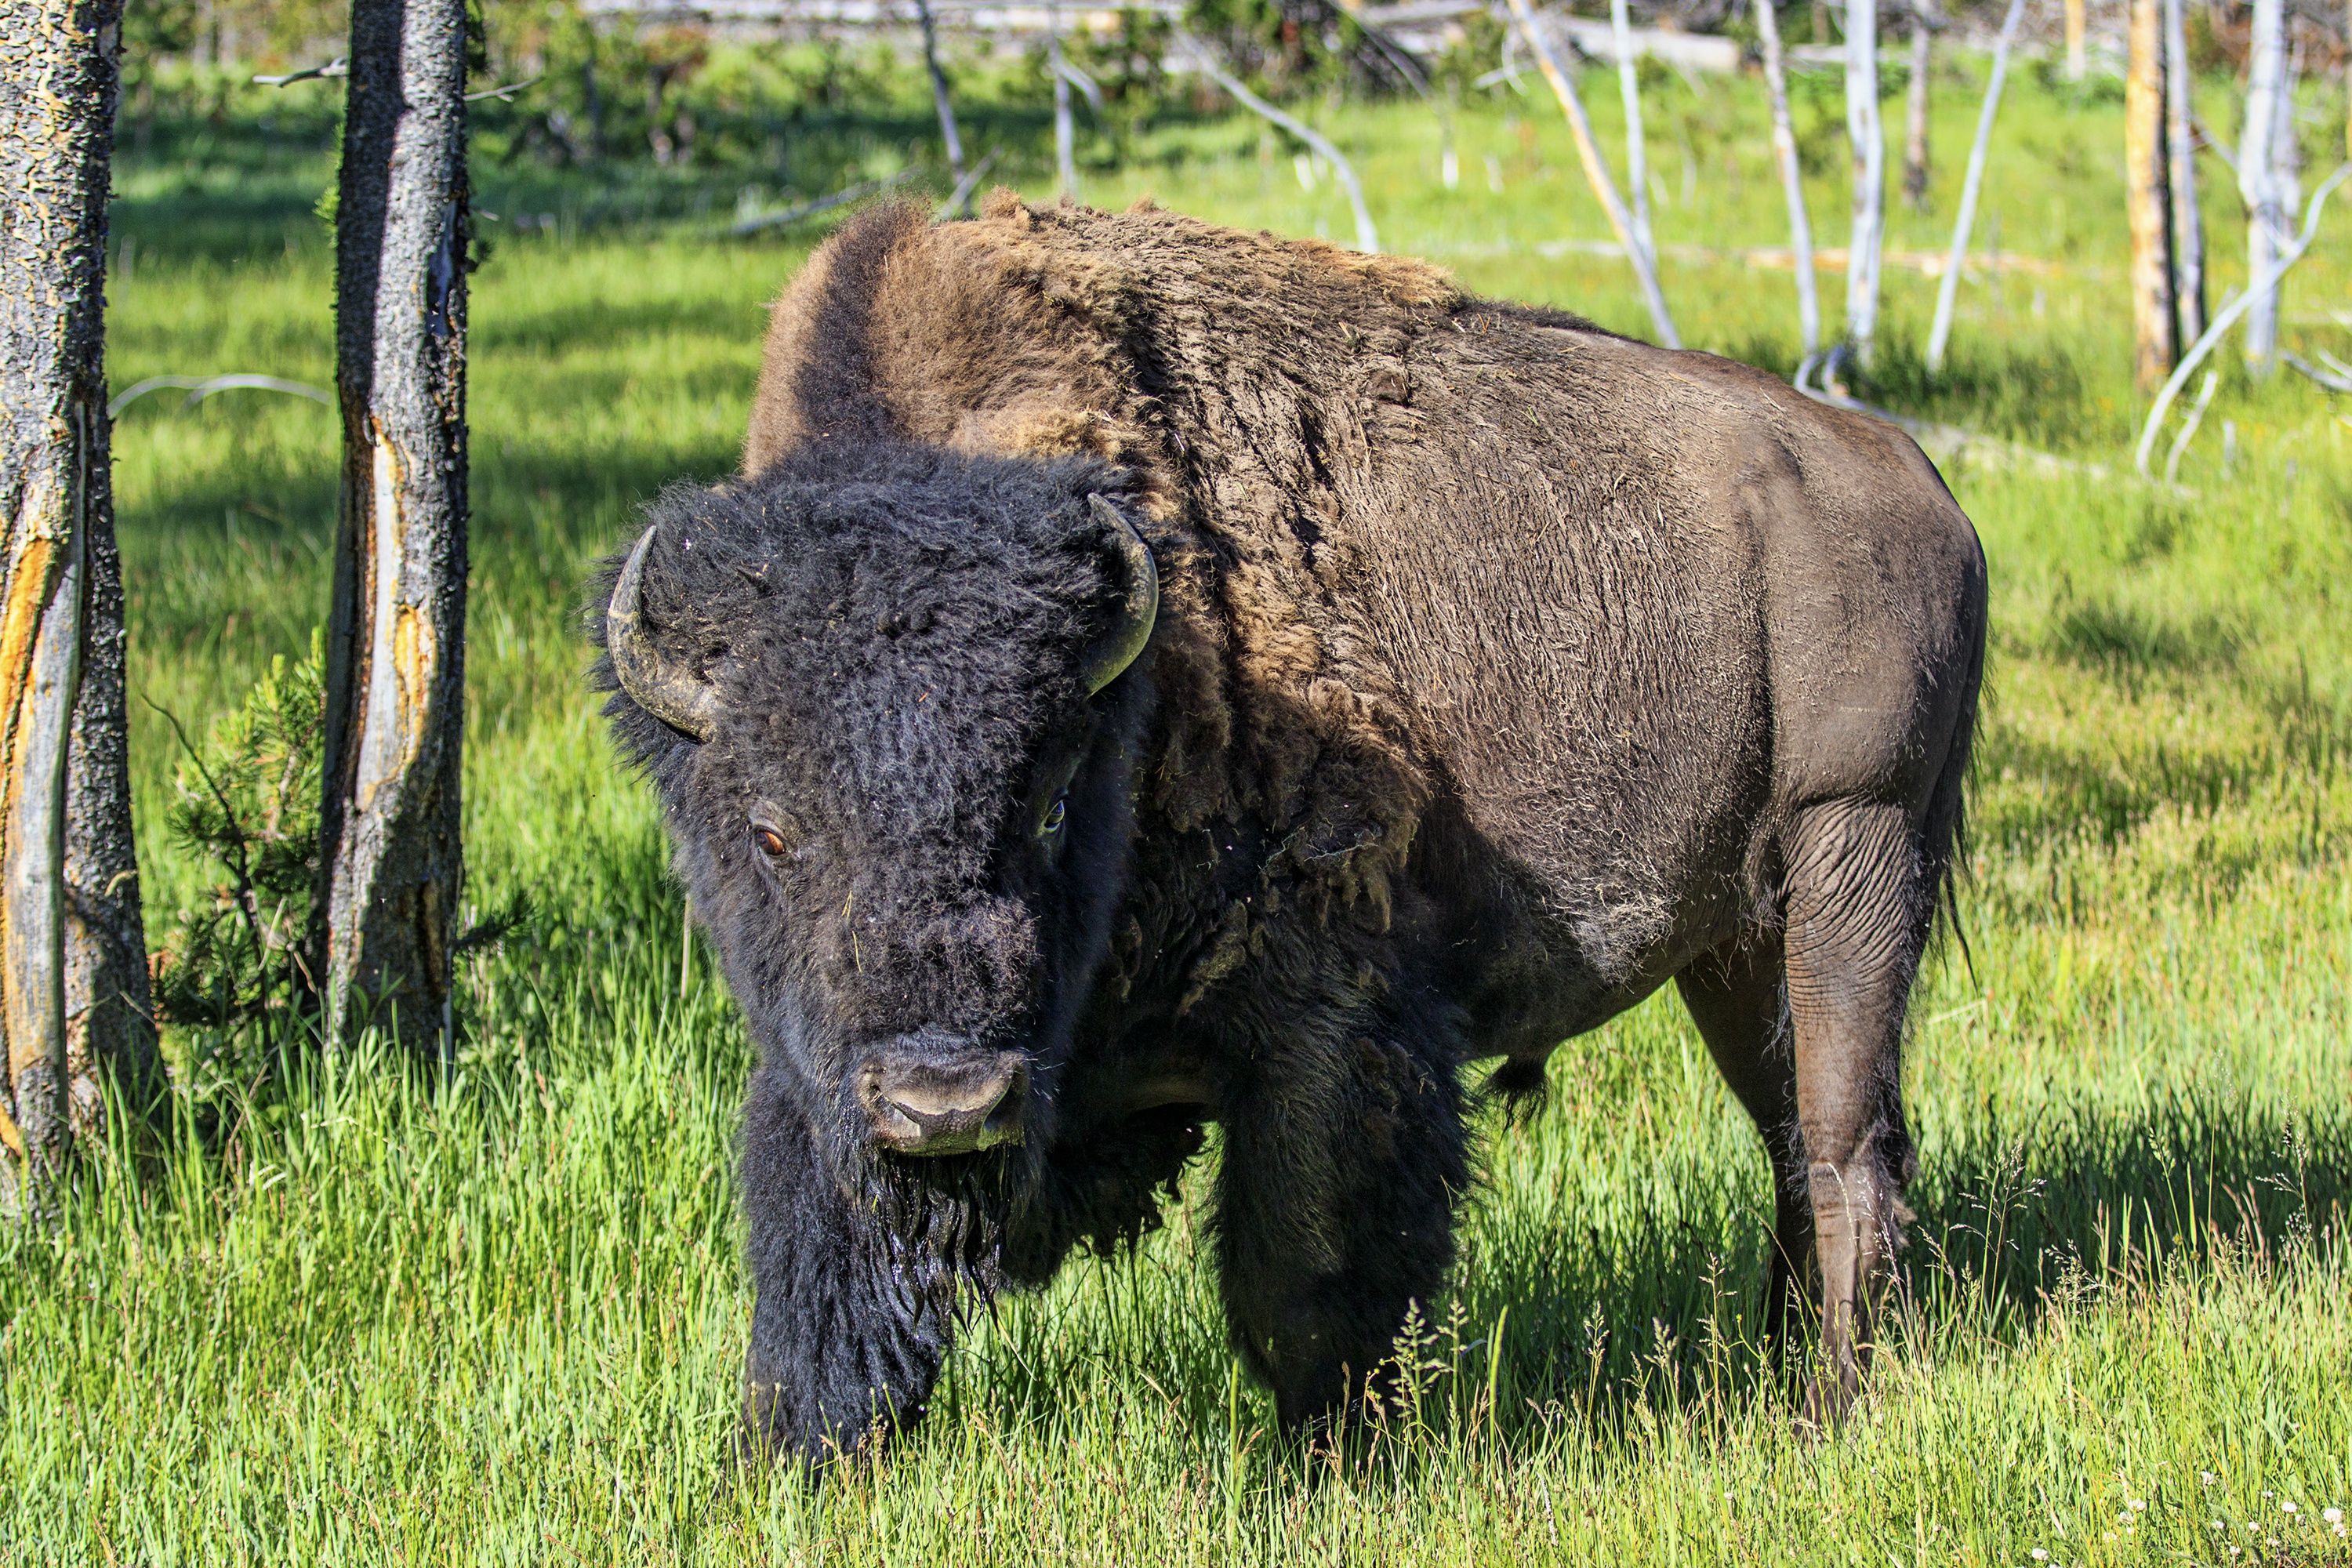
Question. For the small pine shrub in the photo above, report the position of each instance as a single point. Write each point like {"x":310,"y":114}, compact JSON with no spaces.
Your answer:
{"x":245,"y":803}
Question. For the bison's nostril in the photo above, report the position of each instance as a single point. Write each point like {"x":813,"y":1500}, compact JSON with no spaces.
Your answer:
{"x":947,"y":1103}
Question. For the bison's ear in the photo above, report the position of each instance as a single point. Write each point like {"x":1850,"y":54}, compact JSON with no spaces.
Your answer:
{"x":676,"y":696}
{"x":1138,"y":606}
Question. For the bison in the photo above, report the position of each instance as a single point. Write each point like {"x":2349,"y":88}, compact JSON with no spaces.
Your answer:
{"x":1147,"y":675}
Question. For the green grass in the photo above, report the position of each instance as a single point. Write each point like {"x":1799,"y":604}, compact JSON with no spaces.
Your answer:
{"x":496,"y":1317}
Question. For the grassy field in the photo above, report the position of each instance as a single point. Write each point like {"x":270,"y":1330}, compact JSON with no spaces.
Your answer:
{"x":495,"y":1316}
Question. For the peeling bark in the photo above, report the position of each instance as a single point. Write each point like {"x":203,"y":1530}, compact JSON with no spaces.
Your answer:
{"x":390,"y":861}
{"x":72,"y":962}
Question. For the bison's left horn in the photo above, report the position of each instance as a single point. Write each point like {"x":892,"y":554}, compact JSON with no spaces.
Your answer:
{"x":678,"y":697}
{"x":1119,"y":647}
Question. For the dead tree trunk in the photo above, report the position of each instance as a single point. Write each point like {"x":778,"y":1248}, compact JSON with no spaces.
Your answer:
{"x":948,"y":134}
{"x":2268,"y":210}
{"x":1793,"y":185}
{"x":390,"y":864}
{"x":73,"y":968}
{"x":2180,"y":162}
{"x":1915,"y":111}
{"x":2077,"y":37}
{"x":1066,"y":164}
{"x":2147,"y":199}
{"x":1868,"y":140}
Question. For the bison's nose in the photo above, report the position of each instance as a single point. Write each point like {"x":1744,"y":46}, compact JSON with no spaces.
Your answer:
{"x":932,"y":1101}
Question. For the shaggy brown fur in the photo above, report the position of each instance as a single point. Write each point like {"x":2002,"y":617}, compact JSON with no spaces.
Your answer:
{"x":1505,"y":670}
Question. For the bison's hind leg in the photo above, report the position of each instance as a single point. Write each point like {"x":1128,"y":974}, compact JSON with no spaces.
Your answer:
{"x":1858,"y":900}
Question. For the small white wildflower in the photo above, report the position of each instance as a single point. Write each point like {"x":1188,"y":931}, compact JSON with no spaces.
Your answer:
{"x":2235,"y":1551}
{"x":2040,"y":1555}
{"x":2205,"y":1476}
{"x":2139,"y":1505}
{"x":2218,"y":1525}
{"x":2332,"y":1515}
{"x":2270,"y":1494}
{"x":2111,"y":1535}
{"x":2289,"y":1507}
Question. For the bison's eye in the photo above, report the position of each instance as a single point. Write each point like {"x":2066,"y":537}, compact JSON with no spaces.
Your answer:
{"x":1055,"y":815}
{"x":770,"y":842}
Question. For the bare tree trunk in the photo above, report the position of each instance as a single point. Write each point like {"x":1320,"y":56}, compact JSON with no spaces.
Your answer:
{"x":1064,"y":160}
{"x":2078,"y":64}
{"x":1915,"y":111}
{"x":1637,"y":157}
{"x":1947,"y":291}
{"x":1792,"y":183}
{"x":390,"y":858}
{"x":2147,"y":199}
{"x":2180,"y":160}
{"x":1869,"y":143}
{"x":1596,"y":174}
{"x":940,"y":93}
{"x":2267,"y":213}
{"x":72,"y":957}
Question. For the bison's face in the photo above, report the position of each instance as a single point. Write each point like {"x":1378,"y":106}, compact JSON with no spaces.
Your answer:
{"x":894,"y":745}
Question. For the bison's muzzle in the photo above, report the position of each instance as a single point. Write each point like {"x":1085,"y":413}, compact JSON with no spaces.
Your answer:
{"x":923,"y":1099}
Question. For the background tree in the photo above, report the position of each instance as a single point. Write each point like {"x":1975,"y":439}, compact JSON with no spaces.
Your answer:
{"x":2148,"y":198}
{"x":2266,"y":172}
{"x":390,"y":861}
{"x":1869,"y":148}
{"x":72,"y":958}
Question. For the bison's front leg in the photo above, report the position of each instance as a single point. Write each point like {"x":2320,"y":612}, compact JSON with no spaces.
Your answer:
{"x":1344,"y":1154}
{"x":843,"y":1345}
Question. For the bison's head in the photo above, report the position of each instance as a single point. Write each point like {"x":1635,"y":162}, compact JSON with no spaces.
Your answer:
{"x":880,"y":692}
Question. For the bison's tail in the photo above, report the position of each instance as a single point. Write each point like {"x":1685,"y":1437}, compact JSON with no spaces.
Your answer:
{"x":1946,"y":826}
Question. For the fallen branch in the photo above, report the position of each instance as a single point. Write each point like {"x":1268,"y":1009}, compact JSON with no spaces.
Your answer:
{"x":503,"y":94}
{"x":205,"y":386}
{"x":2228,"y":317}
{"x":810,"y":209}
{"x":1368,"y":238}
{"x":1943,"y":444}
{"x":339,"y":66}
{"x":2188,"y":429}
{"x":2333,"y":383}
{"x":965,"y":188}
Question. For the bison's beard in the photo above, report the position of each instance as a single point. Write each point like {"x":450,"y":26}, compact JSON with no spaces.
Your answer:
{"x":947,"y":1219}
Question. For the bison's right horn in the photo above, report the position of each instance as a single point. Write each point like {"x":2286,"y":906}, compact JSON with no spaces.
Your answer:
{"x":1110,"y":657}
{"x":678,"y":697}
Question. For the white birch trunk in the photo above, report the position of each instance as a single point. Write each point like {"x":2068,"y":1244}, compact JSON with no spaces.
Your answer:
{"x":2180,"y":159}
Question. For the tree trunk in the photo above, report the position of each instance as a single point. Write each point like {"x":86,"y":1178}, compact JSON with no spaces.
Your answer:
{"x":72,"y":958}
{"x":2077,"y":35}
{"x":1792,"y":183}
{"x":1869,"y":145}
{"x":390,"y":864}
{"x":2180,"y":159}
{"x":1915,"y":113}
{"x":2147,"y":199}
{"x":1066,"y":162}
{"x":1972,"y":185}
{"x":1637,"y":156}
{"x":940,"y":94}
{"x":1596,"y":172}
{"x":2267,"y":215}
